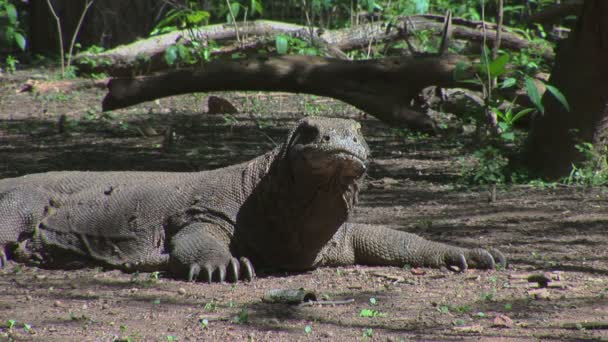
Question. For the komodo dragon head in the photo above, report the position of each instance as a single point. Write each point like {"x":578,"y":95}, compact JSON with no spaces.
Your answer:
{"x":327,"y":151}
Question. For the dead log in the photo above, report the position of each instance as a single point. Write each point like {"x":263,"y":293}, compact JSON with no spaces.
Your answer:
{"x":146,"y":55}
{"x":61,"y":86}
{"x":383,"y":88}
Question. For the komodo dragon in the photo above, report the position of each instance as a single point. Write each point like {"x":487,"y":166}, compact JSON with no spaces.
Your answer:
{"x":285,"y":210}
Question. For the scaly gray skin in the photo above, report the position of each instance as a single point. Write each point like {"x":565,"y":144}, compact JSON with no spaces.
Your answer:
{"x":286,"y":209}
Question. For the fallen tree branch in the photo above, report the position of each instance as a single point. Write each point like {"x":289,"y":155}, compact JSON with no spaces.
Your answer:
{"x":383,"y":88}
{"x":146,"y":55}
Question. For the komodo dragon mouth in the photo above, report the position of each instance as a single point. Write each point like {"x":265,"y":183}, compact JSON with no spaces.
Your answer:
{"x":341,"y":164}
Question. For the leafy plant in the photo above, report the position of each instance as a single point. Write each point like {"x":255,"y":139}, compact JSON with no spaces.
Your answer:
{"x":204,"y":323}
{"x":592,"y":171}
{"x":11,"y":63}
{"x":371,"y":313}
{"x":185,"y":17}
{"x":487,"y":168}
{"x":242,"y":317}
{"x":210,"y":307}
{"x":10,"y":31}
{"x":308,"y":329}
{"x":286,"y":44}
{"x":67,"y":71}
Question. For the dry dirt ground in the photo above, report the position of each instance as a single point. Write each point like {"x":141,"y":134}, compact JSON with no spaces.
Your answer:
{"x":559,"y":233}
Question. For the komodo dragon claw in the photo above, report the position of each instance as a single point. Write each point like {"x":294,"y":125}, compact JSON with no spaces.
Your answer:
{"x":3,"y":258}
{"x":237,"y":269}
{"x":461,"y":260}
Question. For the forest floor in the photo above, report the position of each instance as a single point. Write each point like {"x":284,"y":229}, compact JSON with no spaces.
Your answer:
{"x":557,"y":232}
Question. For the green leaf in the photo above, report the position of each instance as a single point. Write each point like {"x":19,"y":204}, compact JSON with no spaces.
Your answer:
{"x":460,"y":70}
{"x":171,"y":55}
{"x":422,"y":6}
{"x":504,"y":126}
{"x":308,"y":329}
{"x":235,"y":8}
{"x":521,"y":114}
{"x":9,"y":33}
{"x":282,"y":43}
{"x":11,"y":13}
{"x":499,"y":113}
{"x":533,"y":94}
{"x":508,"y":136}
{"x":311,"y":52}
{"x":499,"y":66}
{"x":484,"y":59}
{"x":256,"y":6}
{"x":558,"y":95}
{"x":367,"y":313}
{"x":508,"y":83}
{"x":472,"y":81}
{"x":20,"y":40}
{"x":197,"y":17}
{"x":169,"y":19}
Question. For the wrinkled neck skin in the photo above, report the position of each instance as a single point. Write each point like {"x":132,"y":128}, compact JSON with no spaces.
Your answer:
{"x":288,"y":218}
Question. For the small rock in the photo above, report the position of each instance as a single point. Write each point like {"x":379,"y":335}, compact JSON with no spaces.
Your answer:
{"x":181,"y":291}
{"x":539,"y":294}
{"x":502,"y":321}
{"x":85,"y":306}
{"x":218,"y":105}
{"x":105,"y":307}
{"x":147,"y":130}
{"x":327,"y":334}
{"x":470,"y":328}
{"x":418,"y":271}
{"x":28,"y":297}
{"x":58,"y":304}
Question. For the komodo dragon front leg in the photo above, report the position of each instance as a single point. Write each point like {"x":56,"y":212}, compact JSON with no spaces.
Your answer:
{"x":377,"y":245}
{"x":195,"y":249}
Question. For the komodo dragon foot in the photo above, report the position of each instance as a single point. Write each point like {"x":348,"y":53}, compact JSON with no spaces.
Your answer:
{"x":480,"y":258}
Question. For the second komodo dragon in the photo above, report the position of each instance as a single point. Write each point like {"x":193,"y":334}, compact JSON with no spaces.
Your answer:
{"x":285,"y":210}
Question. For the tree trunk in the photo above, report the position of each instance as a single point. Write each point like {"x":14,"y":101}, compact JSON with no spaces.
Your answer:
{"x":383,"y":88}
{"x":581,"y":73}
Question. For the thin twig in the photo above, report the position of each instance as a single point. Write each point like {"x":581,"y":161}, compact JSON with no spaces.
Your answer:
{"x":446,"y":35}
{"x":88,"y":4}
{"x":499,"y":19}
{"x":60,"y":34}
{"x":236,"y":28}
{"x":490,"y":116}
{"x":327,"y":302}
{"x":308,"y":22}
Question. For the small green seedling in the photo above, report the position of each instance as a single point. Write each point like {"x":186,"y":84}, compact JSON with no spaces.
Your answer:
{"x":308,"y":329}
{"x":242,"y":317}
{"x":371,"y":313}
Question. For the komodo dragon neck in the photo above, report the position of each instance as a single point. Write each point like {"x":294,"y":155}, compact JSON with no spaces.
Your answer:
{"x":285,"y":221}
